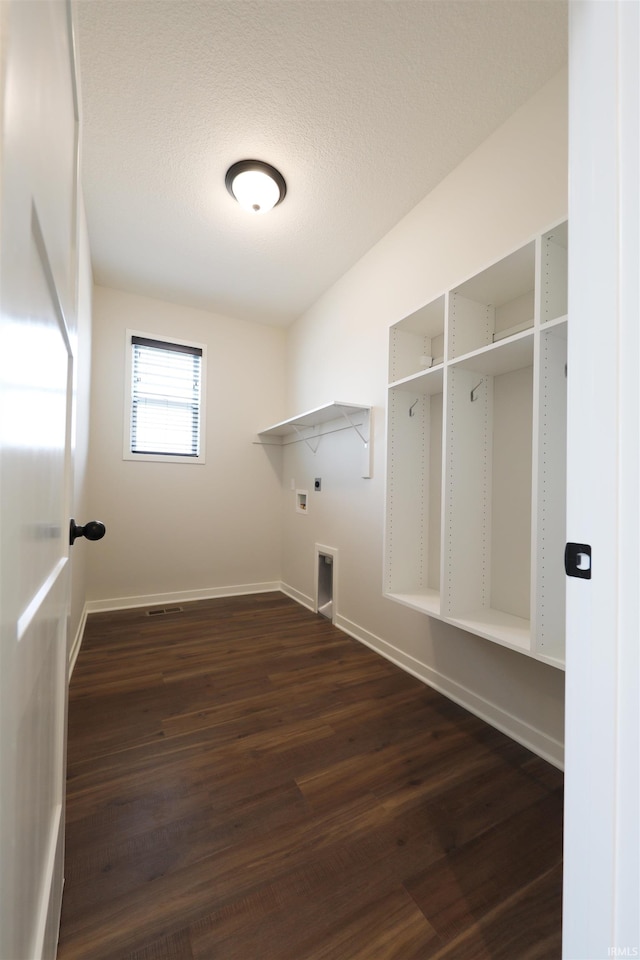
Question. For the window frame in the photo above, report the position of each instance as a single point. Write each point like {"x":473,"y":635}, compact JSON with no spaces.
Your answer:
{"x":127,"y":453}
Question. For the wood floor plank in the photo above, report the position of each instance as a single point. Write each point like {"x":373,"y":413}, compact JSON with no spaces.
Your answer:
{"x":312,"y":908}
{"x":390,"y":928}
{"x":245,"y":781}
{"x":481,"y":874}
{"x":175,"y":947}
{"x":498,"y":934}
{"x":122,"y":864}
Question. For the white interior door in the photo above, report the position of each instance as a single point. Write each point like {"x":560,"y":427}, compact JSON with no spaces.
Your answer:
{"x":38,"y":274}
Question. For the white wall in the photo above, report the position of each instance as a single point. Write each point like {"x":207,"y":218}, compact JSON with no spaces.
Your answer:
{"x":181,"y":529}
{"x":512,"y":186}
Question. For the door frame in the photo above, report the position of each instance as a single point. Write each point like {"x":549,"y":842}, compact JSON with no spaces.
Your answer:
{"x":602,"y":843}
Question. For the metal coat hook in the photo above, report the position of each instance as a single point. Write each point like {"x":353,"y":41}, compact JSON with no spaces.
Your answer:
{"x":411,"y":413}
{"x":473,"y":392}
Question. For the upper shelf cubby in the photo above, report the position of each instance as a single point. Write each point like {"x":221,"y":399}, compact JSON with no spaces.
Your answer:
{"x":494,"y":304}
{"x":417,"y":342}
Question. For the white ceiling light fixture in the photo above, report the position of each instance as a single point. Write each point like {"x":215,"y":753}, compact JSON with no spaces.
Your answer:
{"x":257,"y":186}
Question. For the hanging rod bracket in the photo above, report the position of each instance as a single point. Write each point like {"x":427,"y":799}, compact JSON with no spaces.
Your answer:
{"x":331,"y":418}
{"x":365,"y":436}
{"x":307,"y":439}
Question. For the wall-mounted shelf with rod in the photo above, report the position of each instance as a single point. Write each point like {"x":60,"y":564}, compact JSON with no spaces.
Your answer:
{"x":476,"y":452}
{"x":311,"y":426}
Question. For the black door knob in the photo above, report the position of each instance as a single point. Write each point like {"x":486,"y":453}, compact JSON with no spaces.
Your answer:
{"x":94,"y":530}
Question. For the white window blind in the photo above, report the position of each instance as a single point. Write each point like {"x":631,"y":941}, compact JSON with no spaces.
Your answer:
{"x":166,"y":391}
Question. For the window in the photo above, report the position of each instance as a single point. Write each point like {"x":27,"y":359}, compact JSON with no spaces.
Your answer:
{"x":164,"y":405}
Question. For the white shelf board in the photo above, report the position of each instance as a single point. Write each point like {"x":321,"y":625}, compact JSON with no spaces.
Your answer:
{"x":427,"y":601}
{"x":313,"y":418}
{"x":426,"y":382}
{"x":307,"y":427}
{"x":504,"y":356}
{"x":502,"y":628}
{"x":498,"y":626}
{"x":557,"y":662}
{"x":511,"y":331}
{"x":560,"y":322}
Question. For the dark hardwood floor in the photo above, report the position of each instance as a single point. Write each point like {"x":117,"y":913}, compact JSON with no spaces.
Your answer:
{"x":246,"y":782}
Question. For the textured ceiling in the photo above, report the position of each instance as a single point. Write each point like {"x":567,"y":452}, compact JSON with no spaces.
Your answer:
{"x":364,"y":106}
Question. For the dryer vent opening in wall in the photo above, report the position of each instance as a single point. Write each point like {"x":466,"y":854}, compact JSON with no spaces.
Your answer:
{"x":326,"y":581}
{"x":325,"y":585}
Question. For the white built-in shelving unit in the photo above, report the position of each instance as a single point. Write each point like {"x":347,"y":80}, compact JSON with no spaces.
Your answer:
{"x":476,"y":452}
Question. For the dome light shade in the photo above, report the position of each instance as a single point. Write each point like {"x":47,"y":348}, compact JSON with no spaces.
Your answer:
{"x":256,"y":186}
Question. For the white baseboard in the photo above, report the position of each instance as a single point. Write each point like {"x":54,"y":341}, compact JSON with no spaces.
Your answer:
{"x":535,"y":740}
{"x":47,"y":926}
{"x":300,"y":598}
{"x":77,"y":641}
{"x":179,"y":596}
